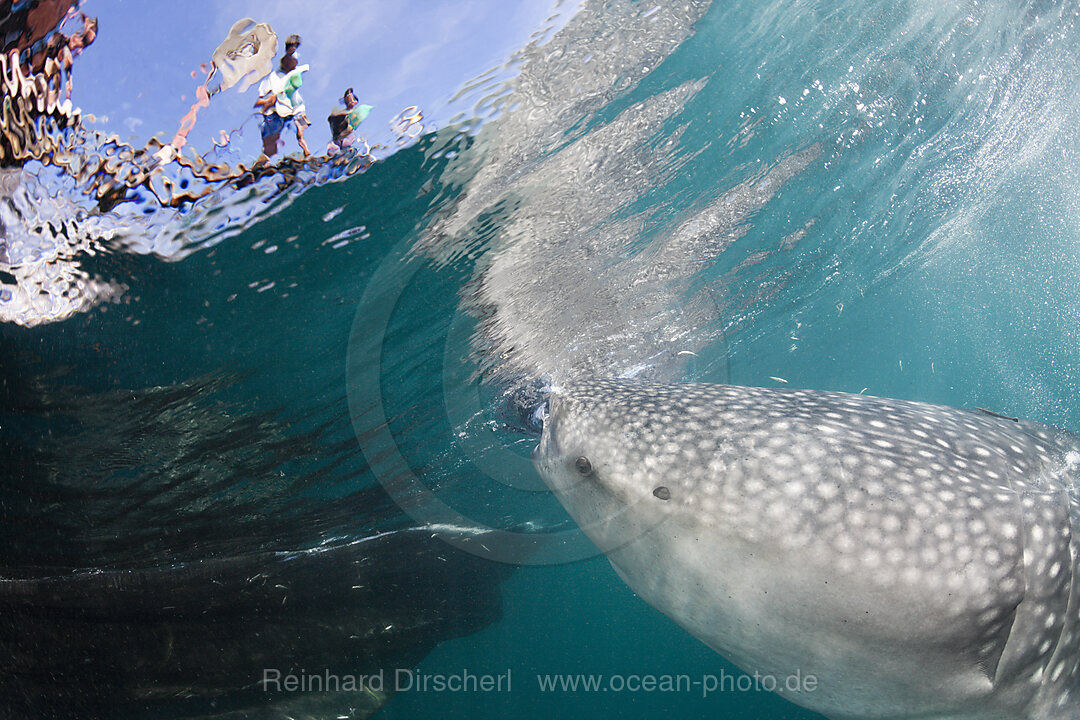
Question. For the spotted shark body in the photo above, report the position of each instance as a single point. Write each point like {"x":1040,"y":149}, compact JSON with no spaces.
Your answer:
{"x":917,"y":561}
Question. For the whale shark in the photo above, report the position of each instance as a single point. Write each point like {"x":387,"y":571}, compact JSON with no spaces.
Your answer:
{"x":915,"y":560}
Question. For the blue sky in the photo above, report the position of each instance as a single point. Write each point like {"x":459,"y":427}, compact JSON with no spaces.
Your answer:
{"x":136,"y":77}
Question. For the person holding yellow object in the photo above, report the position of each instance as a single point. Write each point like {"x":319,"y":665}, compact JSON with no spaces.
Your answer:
{"x":344,"y":122}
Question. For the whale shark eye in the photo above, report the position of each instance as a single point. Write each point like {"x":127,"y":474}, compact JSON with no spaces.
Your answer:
{"x":662,"y":492}
{"x":583,"y":465}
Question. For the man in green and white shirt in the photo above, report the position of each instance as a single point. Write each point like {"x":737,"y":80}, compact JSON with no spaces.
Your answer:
{"x":280,"y":100}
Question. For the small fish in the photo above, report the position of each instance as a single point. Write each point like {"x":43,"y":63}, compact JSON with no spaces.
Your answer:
{"x":997,"y":415}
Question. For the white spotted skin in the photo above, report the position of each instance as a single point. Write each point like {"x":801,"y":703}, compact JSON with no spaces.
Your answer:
{"x":918,"y":560}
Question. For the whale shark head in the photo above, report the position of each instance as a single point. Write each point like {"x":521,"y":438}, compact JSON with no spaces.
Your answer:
{"x":915,"y":560}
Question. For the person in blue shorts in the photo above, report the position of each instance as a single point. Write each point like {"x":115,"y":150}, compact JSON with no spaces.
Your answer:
{"x":280,"y":101}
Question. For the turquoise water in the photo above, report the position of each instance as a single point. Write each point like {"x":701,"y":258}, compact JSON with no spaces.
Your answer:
{"x":871,"y":197}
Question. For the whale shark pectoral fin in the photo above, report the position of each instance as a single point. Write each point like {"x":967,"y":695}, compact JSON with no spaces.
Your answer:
{"x":989,"y":654}
{"x":1041,"y":617}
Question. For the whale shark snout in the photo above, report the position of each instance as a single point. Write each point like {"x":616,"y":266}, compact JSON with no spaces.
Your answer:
{"x":917,"y":560}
